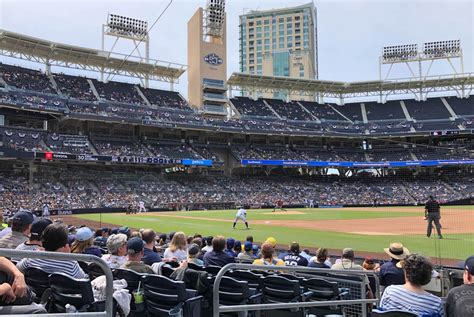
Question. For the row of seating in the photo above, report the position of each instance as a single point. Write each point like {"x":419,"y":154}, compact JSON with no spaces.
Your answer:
{"x":191,"y":293}
{"x":390,"y":111}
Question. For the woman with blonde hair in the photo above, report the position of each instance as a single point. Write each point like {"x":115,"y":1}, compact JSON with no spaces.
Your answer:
{"x":84,"y":242}
{"x":177,"y":248}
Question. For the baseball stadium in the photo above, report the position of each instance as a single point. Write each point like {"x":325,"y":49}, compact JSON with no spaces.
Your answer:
{"x":232,"y":180}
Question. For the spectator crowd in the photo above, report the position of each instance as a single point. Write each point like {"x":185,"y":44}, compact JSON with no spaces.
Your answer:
{"x":402,"y":274}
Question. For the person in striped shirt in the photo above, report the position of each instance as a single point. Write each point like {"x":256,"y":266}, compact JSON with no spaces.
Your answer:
{"x":55,"y":240}
{"x":411,"y":296}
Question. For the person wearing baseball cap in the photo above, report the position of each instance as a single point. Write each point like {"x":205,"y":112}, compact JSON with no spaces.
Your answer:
{"x":230,"y":242}
{"x":391,"y":272}
{"x":461,"y":298}
{"x":193,"y":252}
{"x":34,"y":243}
{"x":272,"y":241}
{"x":84,"y":242}
{"x":247,"y":253}
{"x":21,"y":228}
{"x":135,"y":252}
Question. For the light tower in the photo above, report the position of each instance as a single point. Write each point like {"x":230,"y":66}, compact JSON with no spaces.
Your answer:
{"x":207,"y":59}
{"x":134,"y":30}
{"x":419,"y":62}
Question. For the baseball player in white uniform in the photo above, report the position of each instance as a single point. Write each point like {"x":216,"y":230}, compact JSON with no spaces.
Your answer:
{"x":241,"y":215}
{"x":46,"y":213}
{"x":141,"y":206}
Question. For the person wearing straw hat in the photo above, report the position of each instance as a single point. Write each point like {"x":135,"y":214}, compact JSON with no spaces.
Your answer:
{"x":391,"y":272}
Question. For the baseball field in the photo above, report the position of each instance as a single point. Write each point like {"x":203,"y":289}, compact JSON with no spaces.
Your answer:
{"x":367,"y":230}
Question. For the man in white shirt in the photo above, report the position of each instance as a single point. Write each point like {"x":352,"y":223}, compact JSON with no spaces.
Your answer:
{"x":241,"y":215}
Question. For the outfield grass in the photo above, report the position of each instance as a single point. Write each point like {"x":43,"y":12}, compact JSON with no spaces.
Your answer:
{"x":455,"y":246}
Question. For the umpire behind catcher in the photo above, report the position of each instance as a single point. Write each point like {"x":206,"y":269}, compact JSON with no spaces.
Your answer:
{"x":432,"y":213}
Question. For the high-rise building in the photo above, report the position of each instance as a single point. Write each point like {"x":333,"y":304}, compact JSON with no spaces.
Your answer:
{"x":280,"y":42}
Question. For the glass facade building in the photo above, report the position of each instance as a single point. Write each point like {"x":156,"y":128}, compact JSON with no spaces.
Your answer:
{"x":279,"y":42}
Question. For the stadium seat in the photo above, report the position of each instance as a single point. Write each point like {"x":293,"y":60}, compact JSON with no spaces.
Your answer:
{"x":292,"y":277}
{"x":196,"y":267}
{"x":67,"y":290}
{"x":323,"y":290}
{"x":212,"y":269}
{"x":37,"y":280}
{"x":165,"y":297}
{"x":278,"y":289}
{"x":94,"y":271}
{"x":134,"y":280}
{"x":84,"y":266}
{"x":235,"y":292}
{"x":392,"y":313}
{"x":253,"y":279}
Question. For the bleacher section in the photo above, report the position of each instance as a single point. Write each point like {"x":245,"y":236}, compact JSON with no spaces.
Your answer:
{"x":22,"y":139}
{"x":391,"y":110}
{"x":351,"y":110}
{"x":173,"y":151}
{"x":125,"y":102}
{"x":290,"y":110}
{"x":163,"y":98}
{"x":24,"y":78}
{"x":462,"y":107}
{"x":75,"y":87}
{"x":322,"y":111}
{"x":119,"y":148}
{"x":119,"y":92}
{"x":250,"y":107}
{"x":430,"y":109}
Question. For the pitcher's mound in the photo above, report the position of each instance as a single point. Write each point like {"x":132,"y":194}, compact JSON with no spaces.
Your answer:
{"x":289,"y":212}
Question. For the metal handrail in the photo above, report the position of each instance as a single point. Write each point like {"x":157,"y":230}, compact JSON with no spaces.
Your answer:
{"x":70,"y":257}
{"x":217,"y":308}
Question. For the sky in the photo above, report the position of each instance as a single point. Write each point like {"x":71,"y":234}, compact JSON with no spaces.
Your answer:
{"x":351,"y":33}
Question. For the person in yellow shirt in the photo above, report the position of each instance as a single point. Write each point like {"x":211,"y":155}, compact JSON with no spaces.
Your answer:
{"x":268,"y":257}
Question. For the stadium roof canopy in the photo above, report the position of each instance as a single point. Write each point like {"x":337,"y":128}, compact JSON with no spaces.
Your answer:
{"x":463,"y":84}
{"x":63,"y":55}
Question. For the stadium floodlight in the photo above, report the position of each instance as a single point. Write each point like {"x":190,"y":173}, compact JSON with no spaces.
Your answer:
{"x":119,"y":25}
{"x":215,"y":18}
{"x":399,"y":53}
{"x":442,"y":49}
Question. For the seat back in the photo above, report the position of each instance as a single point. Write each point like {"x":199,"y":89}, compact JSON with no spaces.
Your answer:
{"x":392,"y":313}
{"x":163,"y":295}
{"x":322,"y":289}
{"x":94,"y":271}
{"x":68,"y":290}
{"x":212,"y":269}
{"x":37,"y":279}
{"x":196,"y":267}
{"x":253,"y":279}
{"x":84,"y":266}
{"x":232,"y":291}
{"x":133,"y":278}
{"x":292,"y":277}
{"x":278,"y":289}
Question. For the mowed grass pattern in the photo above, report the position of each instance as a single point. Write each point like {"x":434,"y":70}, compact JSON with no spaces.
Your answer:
{"x":455,"y":246}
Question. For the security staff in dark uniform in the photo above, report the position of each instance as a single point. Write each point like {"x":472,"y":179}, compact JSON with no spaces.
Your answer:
{"x":432,"y":214}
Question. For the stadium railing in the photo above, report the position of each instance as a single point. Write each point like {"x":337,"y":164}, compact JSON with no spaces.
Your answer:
{"x":353,"y":285}
{"x":8,"y":253}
